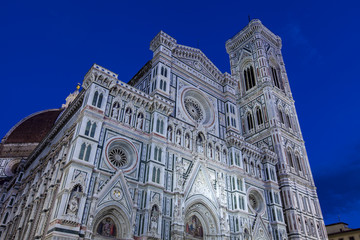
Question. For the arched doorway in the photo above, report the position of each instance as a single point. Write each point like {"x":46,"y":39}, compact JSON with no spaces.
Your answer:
{"x":111,"y":223}
{"x":201,"y":220}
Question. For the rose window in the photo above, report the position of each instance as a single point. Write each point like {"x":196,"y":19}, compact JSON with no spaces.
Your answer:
{"x":117,"y":157}
{"x":193,"y":108}
{"x":256,"y":201}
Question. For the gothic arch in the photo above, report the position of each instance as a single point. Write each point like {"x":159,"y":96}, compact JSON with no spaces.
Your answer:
{"x":111,"y":223}
{"x":205,"y":211}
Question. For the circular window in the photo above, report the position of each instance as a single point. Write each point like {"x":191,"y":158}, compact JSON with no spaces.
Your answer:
{"x":193,"y":108}
{"x":121,"y":154}
{"x":197,"y":107}
{"x":256,"y":201}
{"x":117,"y":157}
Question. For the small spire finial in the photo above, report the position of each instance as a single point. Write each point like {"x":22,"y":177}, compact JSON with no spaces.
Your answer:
{"x":78,"y":86}
{"x":249,"y":18}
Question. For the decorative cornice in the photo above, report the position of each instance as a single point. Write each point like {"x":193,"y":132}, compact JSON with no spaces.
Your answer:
{"x":234,"y":139}
{"x":162,"y":39}
{"x":101,"y":76}
{"x":255,"y":26}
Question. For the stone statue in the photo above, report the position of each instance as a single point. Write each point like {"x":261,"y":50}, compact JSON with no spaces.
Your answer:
{"x":187,"y":141}
{"x":140,"y":120}
{"x":73,"y":205}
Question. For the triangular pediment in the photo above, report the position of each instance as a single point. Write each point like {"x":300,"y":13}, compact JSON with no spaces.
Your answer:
{"x":200,"y":185}
{"x":196,"y":59}
{"x":260,"y":231}
{"x":117,"y":193}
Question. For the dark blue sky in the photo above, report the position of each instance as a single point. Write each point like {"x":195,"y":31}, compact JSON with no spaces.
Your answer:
{"x":47,"y":48}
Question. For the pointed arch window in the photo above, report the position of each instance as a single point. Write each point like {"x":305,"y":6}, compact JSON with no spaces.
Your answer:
{"x":154,"y":174}
{"x":288,"y":120}
{"x":87,"y":129}
{"x":281,"y":117}
{"x":158,"y":175}
{"x":93,"y":129}
{"x":82,"y":151}
{"x":95,"y":98}
{"x":277,"y":81}
{"x":259,"y":116}
{"x":250,"y":121}
{"x":87,"y":154}
{"x":298,"y":163}
{"x":289,"y":158}
{"x":249,"y":78}
{"x":100,"y":100}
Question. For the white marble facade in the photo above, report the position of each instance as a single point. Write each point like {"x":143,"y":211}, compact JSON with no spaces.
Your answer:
{"x":183,"y":151}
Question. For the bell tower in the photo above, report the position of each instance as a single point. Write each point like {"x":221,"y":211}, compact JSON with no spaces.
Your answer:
{"x":269,"y":120}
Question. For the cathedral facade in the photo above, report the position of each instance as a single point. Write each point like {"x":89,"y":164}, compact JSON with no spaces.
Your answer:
{"x":181,"y":151}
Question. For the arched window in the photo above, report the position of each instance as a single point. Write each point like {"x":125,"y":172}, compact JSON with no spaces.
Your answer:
{"x":87,"y":129}
{"x":281,"y":115}
{"x":82,"y":151}
{"x":298,"y":163}
{"x":161,"y":126}
{"x":162,"y":72}
{"x":93,"y":129}
{"x":259,"y":116}
{"x":156,"y":153}
{"x":277,"y":81}
{"x":88,"y":151}
{"x":289,"y":158}
{"x":161,"y":81}
{"x":100,"y":100}
{"x":154,"y":174}
{"x":159,"y":155}
{"x":164,"y":88}
{"x":158,"y":125}
{"x":250,"y":121}
{"x":158,"y":176}
{"x":5,"y":218}
{"x":288,"y":120}
{"x":249,"y":78}
{"x":165,"y":72}
{"x":95,"y":98}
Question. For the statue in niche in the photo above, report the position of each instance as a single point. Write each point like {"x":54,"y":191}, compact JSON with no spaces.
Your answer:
{"x":154,"y":217}
{"x":73,"y":205}
{"x":224,"y":156}
{"x":178,"y":137}
{"x":200,"y":143}
{"x":140,"y":120}
{"x":170,"y":133}
{"x":128,"y":116}
{"x":107,"y":228}
{"x":217,"y":154}
{"x":187,"y":141}
{"x":115,"y":110}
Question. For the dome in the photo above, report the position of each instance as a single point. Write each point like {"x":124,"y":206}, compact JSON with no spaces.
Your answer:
{"x":33,"y":128}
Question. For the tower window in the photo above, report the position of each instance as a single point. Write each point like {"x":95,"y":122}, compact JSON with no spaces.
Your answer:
{"x":249,"y":78}
{"x":250,"y":121}
{"x":97,"y":99}
{"x":259,"y":116}
{"x":277,"y":81}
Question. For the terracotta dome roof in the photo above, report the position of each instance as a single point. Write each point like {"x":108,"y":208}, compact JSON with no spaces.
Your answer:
{"x":33,"y":128}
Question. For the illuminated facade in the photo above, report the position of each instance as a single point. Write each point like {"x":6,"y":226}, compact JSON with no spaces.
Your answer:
{"x":182,"y":151}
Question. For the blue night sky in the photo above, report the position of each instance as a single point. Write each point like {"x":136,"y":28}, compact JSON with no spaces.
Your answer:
{"x":47,"y":48}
